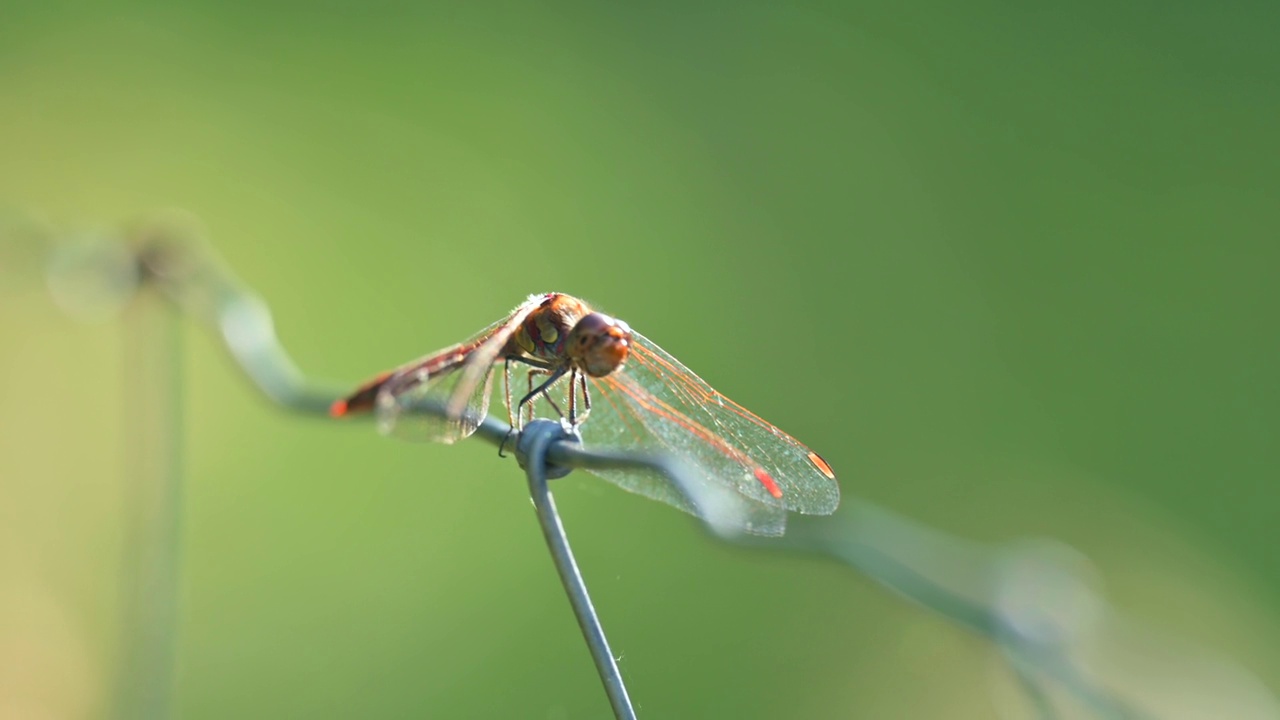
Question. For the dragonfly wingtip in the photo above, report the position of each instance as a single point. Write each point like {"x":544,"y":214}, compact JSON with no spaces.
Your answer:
{"x":822,"y":465}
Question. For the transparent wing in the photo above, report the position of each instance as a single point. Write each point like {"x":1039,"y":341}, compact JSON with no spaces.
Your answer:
{"x":479,"y":363}
{"x":617,"y":422}
{"x":443,"y":397}
{"x":656,"y":403}
{"x":411,"y":405}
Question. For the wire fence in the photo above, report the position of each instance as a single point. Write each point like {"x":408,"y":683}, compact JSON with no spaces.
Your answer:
{"x":1030,"y":600}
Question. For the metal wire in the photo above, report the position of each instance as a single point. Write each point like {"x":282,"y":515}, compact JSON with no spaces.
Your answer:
{"x":153,"y":542}
{"x":535,"y":441}
{"x":202,"y":288}
{"x":862,"y":536}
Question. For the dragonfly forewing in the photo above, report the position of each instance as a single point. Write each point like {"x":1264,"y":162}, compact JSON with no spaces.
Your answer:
{"x":657,"y":403}
{"x":414,"y":405}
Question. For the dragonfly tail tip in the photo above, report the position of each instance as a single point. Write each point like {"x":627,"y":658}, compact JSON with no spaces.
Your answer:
{"x":338,"y":408}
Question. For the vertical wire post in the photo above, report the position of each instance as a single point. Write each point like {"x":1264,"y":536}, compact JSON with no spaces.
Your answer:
{"x":534,"y":441}
{"x":152,"y":424}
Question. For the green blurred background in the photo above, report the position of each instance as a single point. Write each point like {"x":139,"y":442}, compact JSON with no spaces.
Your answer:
{"x":1010,"y":269}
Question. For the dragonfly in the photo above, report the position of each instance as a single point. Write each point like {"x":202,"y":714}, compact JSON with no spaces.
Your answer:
{"x":616,"y":388}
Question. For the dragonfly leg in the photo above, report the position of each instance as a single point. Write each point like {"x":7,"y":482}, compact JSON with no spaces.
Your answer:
{"x":530,"y":362}
{"x":555,"y":375}
{"x":522,"y":410}
{"x":573,"y":397}
{"x":586,"y":397}
{"x":515,"y":418}
{"x":578,"y":385}
{"x":511,"y":418}
{"x":506,"y":383}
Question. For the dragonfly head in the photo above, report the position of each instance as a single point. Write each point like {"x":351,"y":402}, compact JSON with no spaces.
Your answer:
{"x":599,"y":344}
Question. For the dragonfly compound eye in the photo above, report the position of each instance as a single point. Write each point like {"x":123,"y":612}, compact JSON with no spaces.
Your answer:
{"x":600,"y":344}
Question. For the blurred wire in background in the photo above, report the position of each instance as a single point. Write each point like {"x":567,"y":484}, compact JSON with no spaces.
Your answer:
{"x":1039,"y":602}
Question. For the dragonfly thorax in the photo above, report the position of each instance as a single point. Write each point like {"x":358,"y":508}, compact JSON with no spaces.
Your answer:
{"x":565,"y":332}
